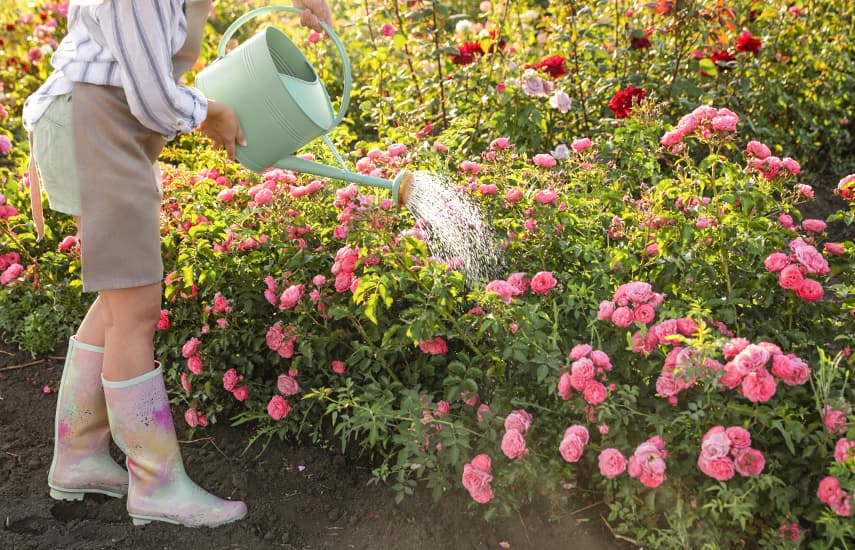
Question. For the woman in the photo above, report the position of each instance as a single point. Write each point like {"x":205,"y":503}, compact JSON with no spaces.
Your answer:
{"x":117,"y":79}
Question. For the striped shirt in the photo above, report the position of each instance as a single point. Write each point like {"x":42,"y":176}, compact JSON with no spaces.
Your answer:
{"x":128,"y":44}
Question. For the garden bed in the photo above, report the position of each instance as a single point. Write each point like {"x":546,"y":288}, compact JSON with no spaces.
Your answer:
{"x":298,"y":496}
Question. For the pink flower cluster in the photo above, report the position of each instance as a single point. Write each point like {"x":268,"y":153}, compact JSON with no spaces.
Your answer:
{"x":517,"y":424}
{"x":845,"y":187}
{"x":831,"y":493}
{"x":587,"y":366}
{"x":663,"y":334}
{"x":760,"y":159}
{"x":791,"y":268}
{"x":281,"y":340}
{"x":747,"y":368}
{"x":844,"y":450}
{"x":647,"y":463}
{"x":633,"y":301}
{"x":477,"y":478}
{"x":612,"y":463}
{"x":517,"y":284}
{"x":344,"y":266}
{"x":834,"y":419}
{"x":573,"y":443}
{"x":6,"y":210}
{"x":434,"y":346}
{"x":725,"y":451}
{"x":682,"y":368}
{"x":703,"y":121}
{"x":380,"y":163}
{"x":231,"y":381}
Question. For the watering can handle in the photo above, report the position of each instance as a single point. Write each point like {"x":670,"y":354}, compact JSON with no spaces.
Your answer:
{"x":348,"y":84}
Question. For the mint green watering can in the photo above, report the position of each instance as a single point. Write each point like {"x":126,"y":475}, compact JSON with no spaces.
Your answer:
{"x":282,"y":104}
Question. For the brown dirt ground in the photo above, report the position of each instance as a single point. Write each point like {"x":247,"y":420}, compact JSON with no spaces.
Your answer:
{"x":299,"y":497}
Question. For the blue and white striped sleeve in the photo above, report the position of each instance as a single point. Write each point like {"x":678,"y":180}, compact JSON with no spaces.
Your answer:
{"x":138,"y":33}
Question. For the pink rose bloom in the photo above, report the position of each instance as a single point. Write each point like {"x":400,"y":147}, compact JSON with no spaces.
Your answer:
{"x":488,"y":189}
{"x":579,"y":351}
{"x":434,"y":346}
{"x":734,"y":346}
{"x":759,"y":386}
{"x":840,"y":503}
{"x":513,"y":195}
{"x":810,"y":290}
{"x":721,"y":469}
{"x":834,"y":420}
{"x":842,"y":449}
{"x":185,"y":383}
{"x":612,"y":463}
{"x":827,"y":488}
{"x":687,"y":326}
{"x":547,"y":196}
{"x":190,"y":347}
{"x":814,"y":225}
{"x":500,"y":143}
{"x":725,"y":121}
{"x":470,"y":167}
{"x":483,"y":412}
{"x":11,"y":273}
{"x":835,"y":249}
{"x":290,"y":297}
{"x":789,"y":368}
{"x":671,"y":138}
{"x":565,"y":386}
{"x":544,"y":160}
{"x":226,"y":195}
{"x":623,"y":317}
{"x":580,"y":145}
{"x":607,"y":309}
{"x":644,"y":314}
{"x":740,"y":438}
{"x":519,"y":420}
{"x":583,"y":369}
{"x":68,"y":242}
{"x":231,"y":379}
{"x":790,"y":277}
{"x":652,"y":249}
{"x":749,"y":462}
{"x":338,"y":367}
{"x":397,"y":149}
{"x":578,"y":431}
{"x":194,"y":364}
{"x":278,"y":408}
{"x":241,"y":393}
{"x":387,"y":30}
{"x":757,"y":150}
{"x":5,"y":144}
{"x":793,"y":528}
{"x":809,"y":257}
{"x":571,"y":449}
{"x":504,"y":289}
{"x":287,"y":385}
{"x":601,"y":359}
{"x":477,"y":478}
{"x":520,"y":281}
{"x":513,"y":444}
{"x":542,"y":282}
{"x":715,"y":443}
{"x":191,"y":417}
{"x":805,"y":190}
{"x":594,"y":392}
{"x":790,"y":165}
{"x":776,"y":261}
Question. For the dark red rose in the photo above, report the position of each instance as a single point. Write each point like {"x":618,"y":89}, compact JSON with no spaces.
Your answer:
{"x":466,"y":53}
{"x":639,"y":41}
{"x":553,"y":66}
{"x":625,"y":99}
{"x":746,"y":43}
{"x":723,"y":59}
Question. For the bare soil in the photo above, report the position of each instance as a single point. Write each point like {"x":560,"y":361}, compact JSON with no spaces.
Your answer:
{"x":299,"y":497}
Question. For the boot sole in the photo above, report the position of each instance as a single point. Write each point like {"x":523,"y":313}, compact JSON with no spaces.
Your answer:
{"x":78,"y":494}
{"x":145,"y":520}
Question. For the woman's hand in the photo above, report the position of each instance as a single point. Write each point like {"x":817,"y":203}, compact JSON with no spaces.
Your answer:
{"x":314,"y":11}
{"x":223,"y":127}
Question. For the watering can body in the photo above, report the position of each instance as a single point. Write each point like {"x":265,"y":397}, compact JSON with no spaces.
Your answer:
{"x":280,"y":101}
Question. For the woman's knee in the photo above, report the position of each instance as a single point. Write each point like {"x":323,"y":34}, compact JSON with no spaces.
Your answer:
{"x":131,"y":307}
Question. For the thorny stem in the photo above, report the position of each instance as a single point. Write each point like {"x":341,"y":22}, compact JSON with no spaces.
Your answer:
{"x":407,"y":52}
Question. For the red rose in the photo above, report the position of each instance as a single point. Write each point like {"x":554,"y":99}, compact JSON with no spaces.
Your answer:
{"x":724,"y":60}
{"x":466,"y":53}
{"x":623,"y":101}
{"x":746,"y":43}
{"x":553,"y":66}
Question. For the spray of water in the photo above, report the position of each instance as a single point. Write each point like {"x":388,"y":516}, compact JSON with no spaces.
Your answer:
{"x":454,"y":227}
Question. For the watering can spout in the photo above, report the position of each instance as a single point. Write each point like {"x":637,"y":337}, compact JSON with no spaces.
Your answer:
{"x":401,"y":186}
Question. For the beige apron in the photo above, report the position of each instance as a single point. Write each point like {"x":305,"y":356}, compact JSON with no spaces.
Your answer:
{"x":119,"y":192}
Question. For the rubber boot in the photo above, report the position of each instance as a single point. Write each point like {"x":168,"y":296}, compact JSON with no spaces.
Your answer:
{"x":159,"y":489}
{"x":81,"y":451}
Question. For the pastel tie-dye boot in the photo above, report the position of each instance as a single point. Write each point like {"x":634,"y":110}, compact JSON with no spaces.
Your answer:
{"x":159,"y":490}
{"x":81,"y":452}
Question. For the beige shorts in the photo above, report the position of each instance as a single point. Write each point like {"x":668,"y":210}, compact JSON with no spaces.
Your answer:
{"x":120,"y":193}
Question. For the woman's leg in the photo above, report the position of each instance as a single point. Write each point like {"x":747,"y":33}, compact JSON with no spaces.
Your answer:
{"x":130,"y":318}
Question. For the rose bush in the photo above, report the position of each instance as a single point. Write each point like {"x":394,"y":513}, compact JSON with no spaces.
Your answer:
{"x":665,"y":330}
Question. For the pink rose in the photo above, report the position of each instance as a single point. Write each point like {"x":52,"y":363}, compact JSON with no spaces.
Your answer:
{"x":571,"y":449}
{"x":759,"y":386}
{"x":565,"y":387}
{"x":579,"y":351}
{"x":278,"y":408}
{"x":776,"y":261}
{"x":434,"y":346}
{"x":578,"y":431}
{"x":483,"y":412}
{"x":790,"y":277}
{"x":185,"y":383}
{"x":191,"y":417}
{"x":749,"y":462}
{"x":504,"y":289}
{"x":290,"y":297}
{"x":827,"y":488}
{"x":834,"y":420}
{"x":594,"y":392}
{"x":513,"y":195}
{"x":721,"y":469}
{"x":607,"y":309}
{"x":194,"y":364}
{"x":601,"y":359}
{"x":810,"y":290}
{"x":542,"y":282}
{"x":241,"y":393}
{"x":644,"y":314}
{"x":840,"y":503}
{"x":519,"y":420}
{"x":513,"y":444}
{"x":734,"y":346}
{"x":740,"y":438}
{"x":790,"y":165}
{"x":813,"y":225}
{"x":715,"y":443}
{"x":488,"y":189}
{"x":287,"y":385}
{"x":547,"y":196}
{"x":190,"y":347}
{"x":580,"y":145}
{"x":612,"y":463}
{"x":544,"y":160}
{"x":623,"y":317}
{"x":835,"y":249}
{"x":338,"y":367}
{"x":842,"y":449}
{"x":786,"y":221}
{"x":477,"y":478}
{"x":789,"y":368}
{"x":231,"y":379}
